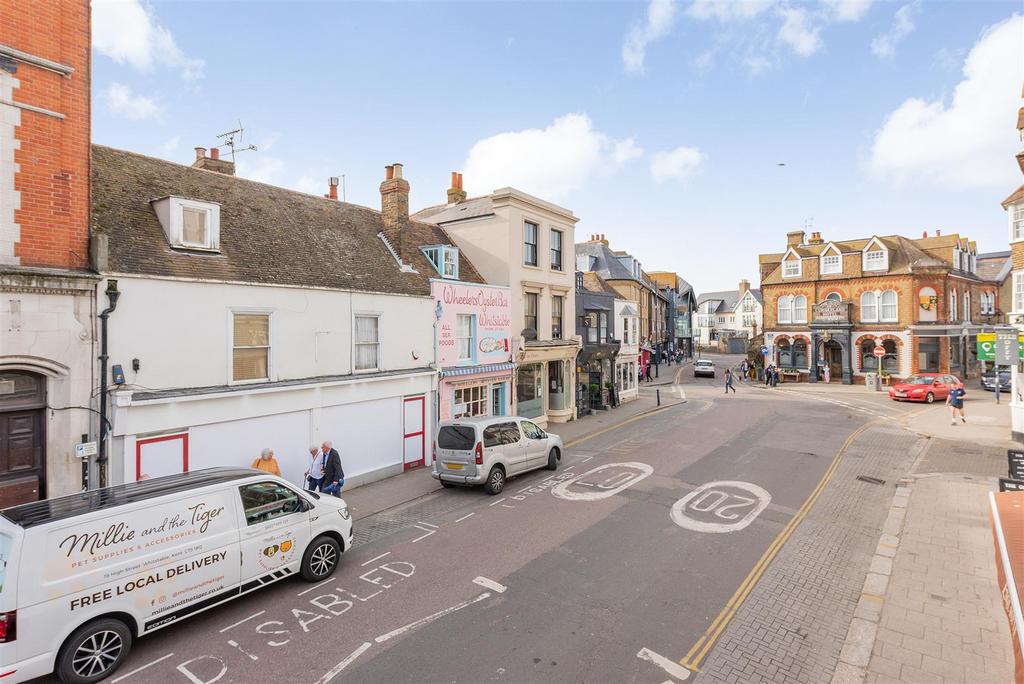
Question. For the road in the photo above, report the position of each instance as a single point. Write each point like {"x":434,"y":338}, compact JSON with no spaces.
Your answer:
{"x":614,"y":568}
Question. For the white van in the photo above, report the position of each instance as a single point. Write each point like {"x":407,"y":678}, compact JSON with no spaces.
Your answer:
{"x":82,"y":576}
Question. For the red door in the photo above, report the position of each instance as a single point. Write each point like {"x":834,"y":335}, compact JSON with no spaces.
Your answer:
{"x":414,"y":431}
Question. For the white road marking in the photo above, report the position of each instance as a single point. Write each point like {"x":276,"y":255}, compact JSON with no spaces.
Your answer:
{"x":254,"y":615}
{"x":609,"y":487}
{"x":306,"y":591}
{"x":674,"y":669}
{"x":430,"y":618}
{"x":721,"y":499}
{"x":568,"y":467}
{"x":585,"y":459}
{"x":375,"y":558}
{"x":334,"y":671}
{"x":468,"y":515}
{"x":234,"y":643}
{"x":506,"y":506}
{"x":420,"y":522}
{"x":497,"y":502}
{"x":490,"y":584}
{"x":140,"y":669}
{"x":423,"y":536}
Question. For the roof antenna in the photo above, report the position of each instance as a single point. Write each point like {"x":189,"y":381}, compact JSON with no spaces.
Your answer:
{"x":228,"y":139}
{"x":808,"y":223}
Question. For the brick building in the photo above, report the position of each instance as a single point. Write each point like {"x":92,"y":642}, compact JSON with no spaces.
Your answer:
{"x":1014,"y":207}
{"x":832,"y":303}
{"x":47,"y":295}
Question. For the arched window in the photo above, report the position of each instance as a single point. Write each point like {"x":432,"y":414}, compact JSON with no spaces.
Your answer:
{"x":800,"y":353}
{"x":799,"y":309}
{"x":868,"y":307}
{"x":890,"y":310}
{"x":868,"y":363}
{"x":785,"y":352}
{"x":928,"y":302}
{"x":785,"y":310}
{"x":967,"y":306}
{"x":952,"y":306}
{"x":833,"y":297}
{"x":891,"y":360}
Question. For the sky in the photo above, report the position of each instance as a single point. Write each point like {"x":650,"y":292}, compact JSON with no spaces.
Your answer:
{"x":693,"y":134}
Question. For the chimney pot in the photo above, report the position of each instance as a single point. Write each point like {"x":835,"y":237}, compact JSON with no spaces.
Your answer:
{"x":332,"y":188}
{"x":460,"y":180}
{"x":455,"y":180}
{"x":389,"y":172}
{"x":924,"y":234}
{"x":455,"y":193}
{"x":398,"y":170}
{"x":214,"y":153}
{"x":938,"y":233}
{"x":200,"y":152}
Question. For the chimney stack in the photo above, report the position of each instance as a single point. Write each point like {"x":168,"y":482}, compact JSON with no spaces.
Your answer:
{"x":332,"y":188}
{"x":455,"y":193}
{"x":394,"y":199}
{"x":213,"y":162}
{"x":815,"y":239}
{"x":938,"y":233}
{"x":795,"y":238}
{"x":744,"y":287}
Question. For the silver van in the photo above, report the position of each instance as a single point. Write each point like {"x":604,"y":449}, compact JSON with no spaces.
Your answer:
{"x":488,"y":450}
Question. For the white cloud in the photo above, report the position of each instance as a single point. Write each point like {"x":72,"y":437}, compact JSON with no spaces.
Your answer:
{"x":902,"y":26}
{"x":169,"y":149}
{"x":757,"y":65}
{"x":661,"y":15}
{"x":548,"y":162}
{"x":129,"y":33}
{"x":799,"y":31}
{"x":260,"y":167}
{"x":969,"y":141}
{"x":122,"y":101}
{"x":678,"y":165}
{"x":726,"y":10}
{"x":848,"y":10}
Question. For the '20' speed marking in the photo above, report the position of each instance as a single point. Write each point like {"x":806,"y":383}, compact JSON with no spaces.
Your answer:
{"x":602,"y":482}
{"x":723,"y":506}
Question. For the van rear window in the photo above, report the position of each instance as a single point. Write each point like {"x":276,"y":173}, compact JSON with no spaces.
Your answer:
{"x":460,"y":437}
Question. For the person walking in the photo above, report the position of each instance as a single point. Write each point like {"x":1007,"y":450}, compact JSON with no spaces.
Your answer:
{"x":744,"y":367}
{"x":267,"y":463}
{"x":334,"y":475}
{"x":826,"y":373}
{"x":997,"y":383}
{"x":955,"y":400}
{"x":728,"y":381}
{"x":315,"y":473}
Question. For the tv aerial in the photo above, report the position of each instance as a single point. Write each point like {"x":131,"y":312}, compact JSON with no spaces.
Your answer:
{"x":233,"y":139}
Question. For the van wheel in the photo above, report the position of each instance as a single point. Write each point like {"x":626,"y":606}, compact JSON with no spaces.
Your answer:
{"x":553,"y":459}
{"x":93,"y":651}
{"x":320,"y":559}
{"x":495,"y":481}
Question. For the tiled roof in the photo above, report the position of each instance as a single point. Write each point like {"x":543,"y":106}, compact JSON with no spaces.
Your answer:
{"x":1013,"y":198}
{"x":474,"y":207}
{"x":595,"y":283}
{"x":728,"y":298}
{"x":267,"y":234}
{"x":905,"y":255}
{"x":994,"y":266}
{"x":608,"y":265}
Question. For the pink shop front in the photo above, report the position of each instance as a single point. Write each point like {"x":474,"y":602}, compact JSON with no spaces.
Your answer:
{"x":474,"y":343}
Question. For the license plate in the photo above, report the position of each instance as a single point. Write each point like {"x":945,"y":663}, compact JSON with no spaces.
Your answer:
{"x":901,"y":394}
{"x":454,"y":466}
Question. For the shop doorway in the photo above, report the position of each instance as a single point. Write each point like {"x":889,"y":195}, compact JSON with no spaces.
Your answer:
{"x":22,"y":438}
{"x":834,"y":358}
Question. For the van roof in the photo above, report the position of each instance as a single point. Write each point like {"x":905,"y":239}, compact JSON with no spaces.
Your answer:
{"x":480,"y":420}
{"x":50,"y":510}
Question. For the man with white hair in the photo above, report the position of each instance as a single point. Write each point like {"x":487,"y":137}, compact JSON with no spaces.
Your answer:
{"x":315,"y":474}
{"x":334,"y":475}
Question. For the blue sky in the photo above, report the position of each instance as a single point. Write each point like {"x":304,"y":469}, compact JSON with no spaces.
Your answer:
{"x":659,"y":123}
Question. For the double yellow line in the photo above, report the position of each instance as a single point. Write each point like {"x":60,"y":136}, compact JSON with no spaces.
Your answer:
{"x":700,"y":649}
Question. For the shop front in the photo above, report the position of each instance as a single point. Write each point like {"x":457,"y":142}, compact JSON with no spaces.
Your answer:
{"x":596,"y":385}
{"x":545,"y":376}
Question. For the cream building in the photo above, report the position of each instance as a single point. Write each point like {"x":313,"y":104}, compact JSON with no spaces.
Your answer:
{"x":526,"y":244}
{"x":627,"y":319}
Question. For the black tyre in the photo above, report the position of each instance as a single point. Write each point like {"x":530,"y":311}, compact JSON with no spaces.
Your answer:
{"x":320,"y":559}
{"x":495,"y":481}
{"x":930,"y":399}
{"x":553,"y":459}
{"x":93,"y":652}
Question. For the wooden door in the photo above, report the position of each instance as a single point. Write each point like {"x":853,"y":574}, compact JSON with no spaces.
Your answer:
{"x":21,"y":457}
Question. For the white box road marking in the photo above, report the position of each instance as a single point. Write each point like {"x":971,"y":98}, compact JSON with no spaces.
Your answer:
{"x":490,"y":584}
{"x":140,"y":669}
{"x":674,"y":669}
{"x":334,"y":671}
{"x":430,"y":618}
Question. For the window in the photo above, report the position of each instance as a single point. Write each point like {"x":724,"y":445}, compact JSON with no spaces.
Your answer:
{"x":891,"y":360}
{"x":748,"y":304}
{"x":265,"y":501}
{"x":367,"y":342}
{"x":451,"y":263}
{"x":785,"y":353}
{"x":557,"y":304}
{"x":461,"y":437}
{"x":967,"y":307}
{"x":890,"y":307}
{"x":636,"y":339}
{"x":876,"y":260}
{"x":868,"y":307}
{"x":785,"y":310}
{"x":1018,"y":222}
{"x":791,"y":268}
{"x":833,"y":297}
{"x":590,"y":325}
{"x":952,"y":306}
{"x":556,"y":250}
{"x":956,"y":259}
{"x":832,"y":263}
{"x":531,"y":430}
{"x":800,"y":354}
{"x":721,"y":319}
{"x":800,"y":309}
{"x":465,"y":334}
{"x":444,"y":259}
{"x":530,"y":310}
{"x":530,"y":231}
{"x":469,"y":402}
{"x":792,"y":309}
{"x":603,"y":329}
{"x":250,"y":347}
{"x":195,"y":230}
{"x":502,"y":433}
{"x":1018,"y":292}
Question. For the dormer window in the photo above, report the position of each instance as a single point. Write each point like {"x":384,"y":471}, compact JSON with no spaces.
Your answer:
{"x":831,"y":264}
{"x":444,"y":259}
{"x":189,"y":223}
{"x":1018,"y":222}
{"x":876,"y":260}
{"x":791,"y":269}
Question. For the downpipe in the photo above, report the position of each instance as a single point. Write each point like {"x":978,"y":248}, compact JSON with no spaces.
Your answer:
{"x":101,"y":458}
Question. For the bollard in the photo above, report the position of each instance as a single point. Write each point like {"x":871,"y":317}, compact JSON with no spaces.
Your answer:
{"x":657,"y":393}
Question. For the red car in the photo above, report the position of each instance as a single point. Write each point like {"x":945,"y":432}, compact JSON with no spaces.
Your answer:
{"x":926,"y":387}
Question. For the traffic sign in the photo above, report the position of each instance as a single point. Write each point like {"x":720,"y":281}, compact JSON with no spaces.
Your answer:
{"x":1007,"y":347}
{"x":879,"y":351}
{"x":764,"y":350}
{"x":1016,"y":462}
{"x":85,"y":449}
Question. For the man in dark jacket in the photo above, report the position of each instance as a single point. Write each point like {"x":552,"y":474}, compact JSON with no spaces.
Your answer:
{"x":334,"y":475}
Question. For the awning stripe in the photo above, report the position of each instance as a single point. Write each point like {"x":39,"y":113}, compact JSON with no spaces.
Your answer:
{"x":476,"y":370}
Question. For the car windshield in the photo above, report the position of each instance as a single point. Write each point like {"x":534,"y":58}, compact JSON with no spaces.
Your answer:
{"x":704,"y":363}
{"x":459,"y":437}
{"x":918,"y":380}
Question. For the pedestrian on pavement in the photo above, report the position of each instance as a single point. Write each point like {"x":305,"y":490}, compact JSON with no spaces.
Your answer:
{"x":267,"y":463}
{"x":647,"y":373}
{"x":334,"y":475}
{"x":997,"y":384}
{"x":315,"y":472}
{"x":826,"y":373}
{"x":775,"y":377}
{"x":744,"y":367}
{"x":728,"y":381}
{"x":768,"y":375}
{"x":956,"y":403}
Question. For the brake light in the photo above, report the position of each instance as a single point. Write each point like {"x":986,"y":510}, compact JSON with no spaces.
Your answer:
{"x":479,"y":453}
{"x":8,"y":626}
{"x":433,"y":452}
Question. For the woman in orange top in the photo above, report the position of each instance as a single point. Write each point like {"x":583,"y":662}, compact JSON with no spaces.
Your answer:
{"x":267,"y":463}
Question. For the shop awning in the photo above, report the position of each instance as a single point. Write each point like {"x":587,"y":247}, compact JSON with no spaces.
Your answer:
{"x":941,"y":330}
{"x":477,"y":370}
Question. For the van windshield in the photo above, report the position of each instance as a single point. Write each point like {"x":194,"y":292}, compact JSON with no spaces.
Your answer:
{"x":460,"y":437}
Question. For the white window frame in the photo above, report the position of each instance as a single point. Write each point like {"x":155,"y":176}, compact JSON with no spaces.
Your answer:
{"x":458,"y":338}
{"x":482,"y":400}
{"x":785,"y":310}
{"x":269,"y":313}
{"x":1018,"y":292}
{"x":787,"y":271}
{"x":170,"y":212}
{"x":799,"y":303}
{"x":953,"y":308}
{"x":895,"y":317}
{"x":957,"y":265}
{"x":876,"y":264}
{"x":966,"y":310}
{"x":831,"y":264}
{"x":864,"y":317}
{"x":367,"y":314}
{"x":1017,"y":222}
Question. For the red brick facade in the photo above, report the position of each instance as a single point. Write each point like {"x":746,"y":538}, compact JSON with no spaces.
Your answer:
{"x":53,"y":152}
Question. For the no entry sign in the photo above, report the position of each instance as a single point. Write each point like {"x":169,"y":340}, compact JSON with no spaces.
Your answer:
{"x":879,"y":351}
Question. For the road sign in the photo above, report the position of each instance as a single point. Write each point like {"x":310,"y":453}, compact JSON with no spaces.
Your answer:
{"x":85,"y":449}
{"x":1008,"y":485}
{"x":1016,"y":462}
{"x":764,"y":350}
{"x":879,"y":351}
{"x":1007,"y":347}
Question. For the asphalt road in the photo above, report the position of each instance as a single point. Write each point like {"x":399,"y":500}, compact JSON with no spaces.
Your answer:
{"x":610,"y":570}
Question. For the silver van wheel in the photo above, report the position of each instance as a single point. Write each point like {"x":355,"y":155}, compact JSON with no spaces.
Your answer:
{"x":320,"y":559}
{"x":96,"y":654}
{"x":495,"y":481}
{"x":93,"y":652}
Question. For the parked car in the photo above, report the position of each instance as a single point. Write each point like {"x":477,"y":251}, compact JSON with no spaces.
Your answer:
{"x":926,"y":387}
{"x":704,"y":368}
{"x":83,"y":576}
{"x":988,"y":381}
{"x":487,"y":450}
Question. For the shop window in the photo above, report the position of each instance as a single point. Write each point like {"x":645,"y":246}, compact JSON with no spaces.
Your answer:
{"x":470,"y":401}
{"x":800,"y":353}
{"x":785,"y":353}
{"x":868,"y":362}
{"x":530,"y":390}
{"x":891,"y":361}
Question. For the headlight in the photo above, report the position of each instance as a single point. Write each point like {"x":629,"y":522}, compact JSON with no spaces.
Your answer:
{"x":344,"y":512}
{"x":917,"y":391}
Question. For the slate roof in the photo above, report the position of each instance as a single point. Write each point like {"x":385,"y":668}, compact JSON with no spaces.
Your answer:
{"x":267,"y":234}
{"x":608,"y":265}
{"x":727,"y":300}
{"x":592,"y":282}
{"x":474,"y":207}
{"x":994,"y":267}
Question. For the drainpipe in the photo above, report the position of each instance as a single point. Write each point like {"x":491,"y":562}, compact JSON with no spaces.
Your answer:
{"x":101,"y":459}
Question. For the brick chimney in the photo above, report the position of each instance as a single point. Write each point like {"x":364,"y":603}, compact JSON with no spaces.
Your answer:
{"x":794,"y":238}
{"x":332,"y":188}
{"x":213,"y":162}
{"x":394,"y":198}
{"x":815,"y":239}
{"x":455,"y":193}
{"x":744,"y":287}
